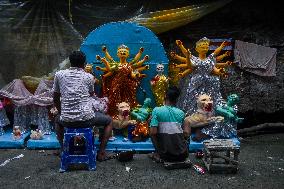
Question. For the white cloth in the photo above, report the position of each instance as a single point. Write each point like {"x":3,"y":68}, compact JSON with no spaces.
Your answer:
{"x":75,"y":86}
{"x":255,"y":58}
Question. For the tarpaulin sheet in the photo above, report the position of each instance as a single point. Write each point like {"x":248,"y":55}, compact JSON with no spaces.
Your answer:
{"x":37,"y":35}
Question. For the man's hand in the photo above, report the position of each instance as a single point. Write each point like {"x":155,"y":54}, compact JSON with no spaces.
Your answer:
{"x":186,"y":136}
{"x":54,"y":111}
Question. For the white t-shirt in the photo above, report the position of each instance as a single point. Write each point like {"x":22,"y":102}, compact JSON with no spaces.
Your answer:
{"x":75,"y":86}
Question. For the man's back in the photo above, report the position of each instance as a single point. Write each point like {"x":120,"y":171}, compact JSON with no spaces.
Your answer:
{"x":169,"y":114}
{"x":75,"y":86}
{"x":169,"y":120}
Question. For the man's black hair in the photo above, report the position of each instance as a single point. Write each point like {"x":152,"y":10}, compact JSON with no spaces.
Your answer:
{"x":172,"y":94}
{"x":77,"y":59}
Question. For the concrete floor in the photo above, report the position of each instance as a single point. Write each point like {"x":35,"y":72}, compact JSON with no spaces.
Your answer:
{"x":261,"y":166}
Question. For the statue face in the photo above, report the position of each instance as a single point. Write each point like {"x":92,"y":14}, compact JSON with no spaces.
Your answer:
{"x":233,"y":99}
{"x":16,"y":127}
{"x":205,"y":103}
{"x":202,"y":47}
{"x":123,"y":109}
{"x":147,"y":101}
{"x":88,"y":68}
{"x":160,"y":68}
{"x":123,"y":53}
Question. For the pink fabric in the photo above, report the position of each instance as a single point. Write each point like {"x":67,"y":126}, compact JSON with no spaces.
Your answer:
{"x":20,"y":96}
{"x":43,"y":95}
{"x":17,"y":92}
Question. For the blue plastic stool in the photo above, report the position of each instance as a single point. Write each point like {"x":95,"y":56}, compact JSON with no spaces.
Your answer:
{"x":74,"y":153}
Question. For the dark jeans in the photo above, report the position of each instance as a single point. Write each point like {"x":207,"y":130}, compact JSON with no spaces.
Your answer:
{"x":100,"y":121}
{"x":172,"y":147}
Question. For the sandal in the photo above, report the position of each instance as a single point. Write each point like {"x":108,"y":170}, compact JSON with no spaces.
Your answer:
{"x":155,"y":157}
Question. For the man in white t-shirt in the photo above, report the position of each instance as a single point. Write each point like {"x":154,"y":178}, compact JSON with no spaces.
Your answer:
{"x":73,"y":88}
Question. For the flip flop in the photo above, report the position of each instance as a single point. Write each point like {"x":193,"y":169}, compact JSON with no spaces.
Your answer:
{"x":151,"y":156}
{"x":154,"y":157}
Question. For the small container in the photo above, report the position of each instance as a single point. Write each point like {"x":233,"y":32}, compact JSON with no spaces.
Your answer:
{"x":199,"y":169}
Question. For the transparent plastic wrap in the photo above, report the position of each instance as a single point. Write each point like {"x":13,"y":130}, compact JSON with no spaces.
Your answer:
{"x":37,"y":35}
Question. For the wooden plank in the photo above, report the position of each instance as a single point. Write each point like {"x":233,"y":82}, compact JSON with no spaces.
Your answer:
{"x":223,"y":149}
{"x":217,"y":162}
{"x":220,"y":144}
{"x":225,"y":158}
{"x":216,"y":168}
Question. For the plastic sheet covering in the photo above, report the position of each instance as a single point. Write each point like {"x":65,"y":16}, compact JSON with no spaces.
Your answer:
{"x":39,"y":116}
{"x":165,"y":20}
{"x":3,"y":119}
{"x":43,"y":95}
{"x":22,"y":117}
{"x":17,"y":92}
{"x":30,"y":109}
{"x":27,"y":115}
{"x":20,"y":96}
{"x":37,"y":35}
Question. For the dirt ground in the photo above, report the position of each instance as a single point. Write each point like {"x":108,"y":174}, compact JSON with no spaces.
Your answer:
{"x":261,"y":166}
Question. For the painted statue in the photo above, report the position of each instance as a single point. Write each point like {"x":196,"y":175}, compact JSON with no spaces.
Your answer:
{"x":204,"y":74}
{"x":122,"y":120}
{"x":89,"y":69}
{"x":229,"y":112}
{"x":173,"y":74}
{"x":223,"y":65}
{"x":41,"y":118}
{"x":141,"y":114}
{"x":121,"y":79}
{"x":36,"y":134}
{"x":17,"y":134}
{"x":202,"y":118}
{"x":187,"y":66}
{"x":23,"y":117}
{"x":159,"y":85}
